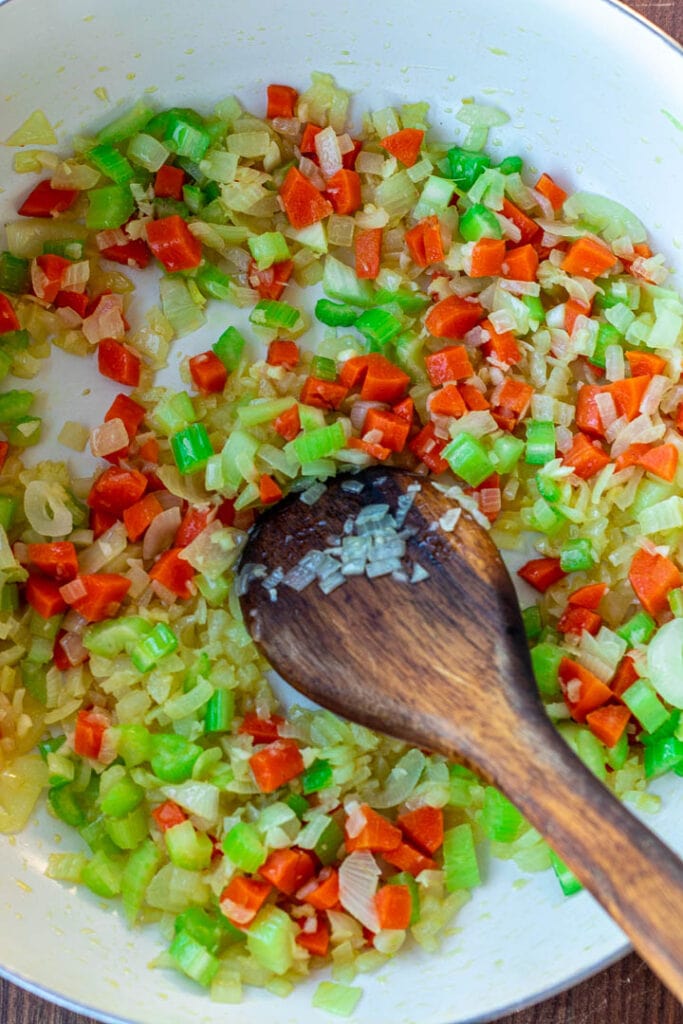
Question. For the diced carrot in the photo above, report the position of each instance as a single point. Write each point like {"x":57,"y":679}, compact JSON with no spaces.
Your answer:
{"x":104,"y":593}
{"x":324,"y":394}
{"x":149,"y":451}
{"x":303,"y":203}
{"x":528,"y":228}
{"x":209,"y":374}
{"x":427,"y":447}
{"x":326,"y":895}
{"x":377,"y":833}
{"x":394,"y":429}
{"x":551,"y":190}
{"x":367,"y":247}
{"x":405,"y":409}
{"x":343,"y":191}
{"x":46,"y":201}
{"x":589,"y":596}
{"x":137,"y":517}
{"x":281,"y":101}
{"x":514,"y":397}
{"x":91,"y":726}
{"x":242,"y":899}
{"x":194,"y":522}
{"x":125,"y":409}
{"x":423,"y":827}
{"x":100,"y":521}
{"x":288,"y":869}
{"x":404,"y":145}
{"x":447,"y":401}
{"x":577,"y":620}
{"x":624,"y":677}
{"x":307,"y":145}
{"x":521,"y":263}
{"x":174,"y":573}
{"x":501,"y":346}
{"x":449,"y":364}
{"x":270,"y":283}
{"x":652,"y":576}
{"x":288,"y":424}
{"x":582,"y":690}
{"x":424,"y":241}
{"x":588,"y":258}
{"x":541,"y":573}
{"x":168,"y":815}
{"x":573,"y":309}
{"x":263,"y":730}
{"x":647,"y":363}
{"x":406,"y":858}
{"x":283,"y":353}
{"x":379,"y":379}
{"x":269,"y":490}
{"x":661,"y":460}
{"x":394,"y":906}
{"x":628,"y":394}
{"x":453,"y":317}
{"x":118,"y":363}
{"x":173,"y":244}
{"x":316,"y":942}
{"x":587,"y":413}
{"x":472,"y":397}
{"x":486,"y":258}
{"x":275,"y":764}
{"x":585,"y":458}
{"x":57,"y":559}
{"x":608,"y":723}
{"x":78,"y":301}
{"x":43,"y":595}
{"x":371,"y":448}
{"x":169,"y":181}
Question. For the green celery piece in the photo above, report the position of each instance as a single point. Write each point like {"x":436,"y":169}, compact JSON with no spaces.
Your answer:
{"x":215,"y":591}
{"x":103,"y":875}
{"x":479,"y":222}
{"x":411,"y":303}
{"x":318,"y":444}
{"x":188,"y":848}
{"x":33,"y":678}
{"x":194,"y":959}
{"x":569,"y":883}
{"x":174,"y":413}
{"x":317,"y":776}
{"x":460,"y":859}
{"x":25,"y":431}
{"x":113,"y":636}
{"x":270,"y":939}
{"x":332,"y":997}
{"x":323,"y":368}
{"x":213,"y":283}
{"x":229,"y":348}
{"x":379,"y":327}
{"x":134,"y":744}
{"x":94,"y":833}
{"x":469,"y":459}
{"x":662,"y":756}
{"x":141,"y":867}
{"x":219,"y":712}
{"x":508,"y":450}
{"x":511,"y":165}
{"x":130,"y":123}
{"x":260,"y":411}
{"x":461,"y":782}
{"x":274,"y":314}
{"x":340,"y":282}
{"x":15,"y":404}
{"x":15,"y":276}
{"x":335,"y":314}
{"x":645,"y":705}
{"x":533,"y":624}
{"x":109,"y":207}
{"x":244,"y":848}
{"x":536,"y":311}
{"x":211,"y":932}
{"x":577,"y":555}
{"x":64,"y":801}
{"x":545,"y":661}
{"x":70,"y":248}
{"x":269,"y":248}
{"x":540,"y":442}
{"x":328,"y":842}
{"x":158,"y":644}
{"x":191,"y":448}
{"x":128,"y":831}
{"x":638,"y":630}
{"x":121,"y":798}
{"x":607,"y":335}
{"x":173,"y":757}
{"x":465,"y":167}
{"x":548,"y":489}
{"x":499,"y":819}
{"x":299,"y":804}
{"x":111,"y":163}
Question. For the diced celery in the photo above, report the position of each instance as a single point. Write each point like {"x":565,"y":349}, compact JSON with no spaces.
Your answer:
{"x":129,"y":831}
{"x":194,"y":959}
{"x":340,"y":282}
{"x":244,"y":847}
{"x":263,"y":411}
{"x":103,"y":875}
{"x":569,"y":883}
{"x":121,"y":128}
{"x":499,"y":819}
{"x":469,"y":459}
{"x":268,"y":248}
{"x":270,"y":939}
{"x":141,"y":866}
{"x":460,"y":859}
{"x":318,"y":444}
{"x":335,"y":998}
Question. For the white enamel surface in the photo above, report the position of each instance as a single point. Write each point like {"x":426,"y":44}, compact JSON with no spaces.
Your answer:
{"x":586,"y":86}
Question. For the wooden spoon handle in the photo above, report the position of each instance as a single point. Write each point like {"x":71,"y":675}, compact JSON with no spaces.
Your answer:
{"x":628,"y":869}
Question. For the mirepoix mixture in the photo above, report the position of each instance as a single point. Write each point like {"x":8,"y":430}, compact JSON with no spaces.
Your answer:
{"x":477,"y":321}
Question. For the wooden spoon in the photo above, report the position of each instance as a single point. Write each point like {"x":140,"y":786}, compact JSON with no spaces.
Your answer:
{"x":443,"y":664}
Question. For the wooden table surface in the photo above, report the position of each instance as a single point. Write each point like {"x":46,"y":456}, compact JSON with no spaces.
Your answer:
{"x":627,"y":993}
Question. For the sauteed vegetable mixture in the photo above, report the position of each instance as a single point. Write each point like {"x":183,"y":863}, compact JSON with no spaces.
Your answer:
{"x":476,"y":320}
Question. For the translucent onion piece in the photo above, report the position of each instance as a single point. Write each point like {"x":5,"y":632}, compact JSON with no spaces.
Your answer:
{"x":403,"y":777}
{"x":160,"y":533}
{"x":112,"y":543}
{"x":75,"y":277}
{"x":328,"y":152}
{"x":106,"y":321}
{"x":46,"y":509}
{"x":665,"y":662}
{"x":110,"y":437}
{"x":72,"y":645}
{"x":358,"y":876}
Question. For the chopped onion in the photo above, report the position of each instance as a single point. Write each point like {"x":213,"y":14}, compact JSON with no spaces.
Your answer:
{"x":110,"y":437}
{"x":113,"y":236}
{"x":310,"y":170}
{"x":403,"y":777}
{"x":606,"y":408}
{"x":73,"y":591}
{"x":76,"y":276}
{"x":112,"y":543}
{"x":72,"y":645}
{"x":74,"y":622}
{"x":160,"y":533}
{"x":289,"y":126}
{"x":46,"y":510}
{"x":665,"y":662}
{"x":358,"y":876}
{"x":359,"y":411}
{"x":106,"y":321}
{"x":328,"y":152}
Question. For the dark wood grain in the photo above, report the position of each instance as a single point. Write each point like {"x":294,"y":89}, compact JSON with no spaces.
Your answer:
{"x":627,"y":993}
